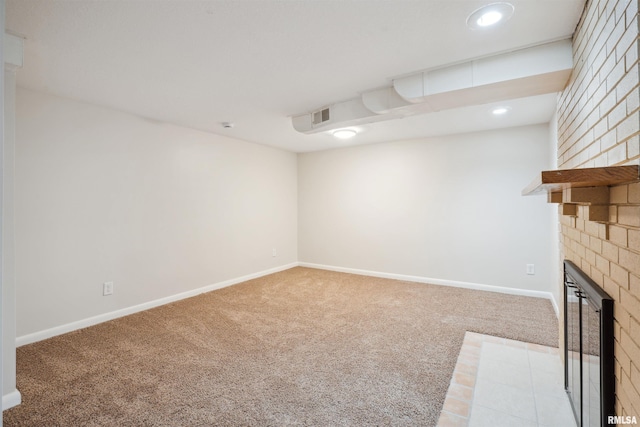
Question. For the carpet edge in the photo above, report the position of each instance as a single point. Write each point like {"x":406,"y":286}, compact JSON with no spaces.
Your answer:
{"x":439,"y":282}
{"x":105,"y":317}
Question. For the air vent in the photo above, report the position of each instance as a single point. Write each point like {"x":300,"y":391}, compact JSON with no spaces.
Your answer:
{"x":321,"y":116}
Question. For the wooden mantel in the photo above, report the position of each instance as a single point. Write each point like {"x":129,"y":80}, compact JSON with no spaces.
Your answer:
{"x":558,"y":180}
{"x":587,"y":187}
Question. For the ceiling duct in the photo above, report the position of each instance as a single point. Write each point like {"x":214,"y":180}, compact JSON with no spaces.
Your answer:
{"x":321,"y":116}
{"x":526,"y":72}
{"x":352,"y":112}
{"x":385,"y":101}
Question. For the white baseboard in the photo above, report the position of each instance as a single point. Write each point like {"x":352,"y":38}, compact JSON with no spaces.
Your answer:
{"x":12,"y":399}
{"x":69,"y":327}
{"x":442,"y":282}
{"x":73,"y":326}
{"x":555,"y":305}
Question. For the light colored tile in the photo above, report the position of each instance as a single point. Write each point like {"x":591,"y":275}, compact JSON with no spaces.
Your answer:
{"x":554,"y":411}
{"x":516,"y":383}
{"x":506,"y":373}
{"x":469,"y":350}
{"x":451,"y":420}
{"x":466,"y":368}
{"x":545,"y":383}
{"x":492,"y":339}
{"x":504,"y":398}
{"x":514,"y":343}
{"x":472,"y":343}
{"x":469,"y":360}
{"x":516,"y":356}
{"x":456,"y":407}
{"x":545,"y":362}
{"x":537,"y":348}
{"x":487,"y":417}
{"x":460,"y":392}
{"x":473,"y":337}
{"x":464,"y":379}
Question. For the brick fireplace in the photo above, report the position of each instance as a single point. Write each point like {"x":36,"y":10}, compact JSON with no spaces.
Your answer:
{"x":598,"y":122}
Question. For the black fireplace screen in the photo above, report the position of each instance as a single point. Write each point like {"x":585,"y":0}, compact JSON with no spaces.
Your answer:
{"x":588,"y":339}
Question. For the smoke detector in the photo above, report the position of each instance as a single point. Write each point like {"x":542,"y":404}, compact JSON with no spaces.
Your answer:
{"x":227,"y":125}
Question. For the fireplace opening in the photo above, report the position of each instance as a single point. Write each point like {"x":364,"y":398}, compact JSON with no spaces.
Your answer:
{"x":588,"y":342}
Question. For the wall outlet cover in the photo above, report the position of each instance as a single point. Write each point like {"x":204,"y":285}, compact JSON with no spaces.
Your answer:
{"x":107,"y":288}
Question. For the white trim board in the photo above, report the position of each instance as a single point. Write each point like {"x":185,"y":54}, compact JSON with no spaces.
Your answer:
{"x":12,"y":399}
{"x":80,"y":324}
{"x":441,"y":282}
{"x":84,"y":323}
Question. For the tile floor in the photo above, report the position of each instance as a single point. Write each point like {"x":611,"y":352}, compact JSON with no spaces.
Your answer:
{"x":501,"y":382}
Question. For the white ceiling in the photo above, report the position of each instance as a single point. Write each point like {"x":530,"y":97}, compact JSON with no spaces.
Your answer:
{"x":257,"y":63}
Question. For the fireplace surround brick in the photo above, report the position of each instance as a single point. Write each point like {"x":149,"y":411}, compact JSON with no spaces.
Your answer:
{"x":599,"y":125}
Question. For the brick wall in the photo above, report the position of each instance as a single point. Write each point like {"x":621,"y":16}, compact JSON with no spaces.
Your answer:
{"x":598,"y":125}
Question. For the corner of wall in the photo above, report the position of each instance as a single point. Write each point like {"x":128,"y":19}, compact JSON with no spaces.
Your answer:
{"x":1,"y":171}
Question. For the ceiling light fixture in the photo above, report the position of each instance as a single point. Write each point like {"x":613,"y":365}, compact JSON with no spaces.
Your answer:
{"x":490,"y":15}
{"x":344,"y":133}
{"x":489,"y":18}
{"x":499,"y":111}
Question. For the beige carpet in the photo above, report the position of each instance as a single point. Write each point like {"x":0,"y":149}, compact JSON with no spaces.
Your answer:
{"x":301,"y":347}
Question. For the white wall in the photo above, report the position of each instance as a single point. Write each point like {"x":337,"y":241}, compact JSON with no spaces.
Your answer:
{"x":2,"y":333}
{"x":156,"y":208}
{"x":161,"y":210}
{"x":10,"y":397}
{"x":448,"y":208}
{"x":12,"y":60}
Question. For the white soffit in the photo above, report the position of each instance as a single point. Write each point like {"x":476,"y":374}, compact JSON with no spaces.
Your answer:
{"x":521,"y":73}
{"x":550,"y":64}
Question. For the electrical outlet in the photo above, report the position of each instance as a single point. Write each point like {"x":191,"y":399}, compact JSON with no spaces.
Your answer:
{"x":274,"y":252}
{"x":531,"y":269}
{"x":107,"y":288}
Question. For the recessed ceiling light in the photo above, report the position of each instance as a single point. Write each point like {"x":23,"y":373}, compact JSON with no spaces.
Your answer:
{"x":344,"y":133}
{"x":499,"y":111}
{"x":489,"y":18}
{"x":490,"y":15}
